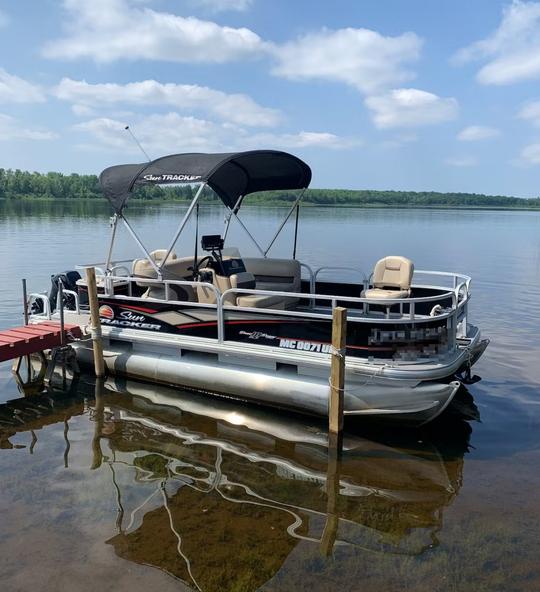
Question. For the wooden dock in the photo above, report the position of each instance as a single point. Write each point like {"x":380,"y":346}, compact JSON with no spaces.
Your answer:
{"x":31,"y":339}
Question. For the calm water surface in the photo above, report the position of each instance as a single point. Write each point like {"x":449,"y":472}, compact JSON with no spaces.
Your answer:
{"x":131,"y":487}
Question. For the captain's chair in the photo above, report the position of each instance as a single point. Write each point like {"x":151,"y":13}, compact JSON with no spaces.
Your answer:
{"x":175,"y":268}
{"x":392,"y":278}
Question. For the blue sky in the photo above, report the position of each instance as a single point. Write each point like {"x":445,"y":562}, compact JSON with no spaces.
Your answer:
{"x":384,"y":94}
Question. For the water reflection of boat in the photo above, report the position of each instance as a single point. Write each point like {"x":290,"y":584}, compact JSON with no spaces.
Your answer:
{"x":236,"y":488}
{"x":219,"y":494}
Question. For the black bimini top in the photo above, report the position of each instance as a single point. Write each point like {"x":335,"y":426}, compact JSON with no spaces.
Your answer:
{"x":230,"y":175}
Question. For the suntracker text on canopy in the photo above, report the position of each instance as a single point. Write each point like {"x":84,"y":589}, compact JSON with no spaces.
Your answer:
{"x":230,"y":175}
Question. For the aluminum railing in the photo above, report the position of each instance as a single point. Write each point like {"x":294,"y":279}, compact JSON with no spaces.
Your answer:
{"x":222,"y":302}
{"x":458,"y":295}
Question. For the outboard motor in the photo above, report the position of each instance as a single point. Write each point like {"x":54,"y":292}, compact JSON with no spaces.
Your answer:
{"x":69,"y":282}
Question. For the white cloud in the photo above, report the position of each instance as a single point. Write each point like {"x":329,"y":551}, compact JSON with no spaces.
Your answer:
{"x":531,"y":112}
{"x":179,"y":134}
{"x":371,"y":63}
{"x":108,"y":30}
{"x":461,"y":161}
{"x":302,"y":140}
{"x":223,"y":5}
{"x":473,"y":133}
{"x":530,"y":155}
{"x":12,"y":129}
{"x":236,"y":108}
{"x":410,"y":107}
{"x":362,"y":58}
{"x":512,"y":50}
{"x":176,"y":134}
{"x":81,"y":110}
{"x":17,"y":90}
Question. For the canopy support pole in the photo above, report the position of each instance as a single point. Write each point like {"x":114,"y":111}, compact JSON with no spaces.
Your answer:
{"x":295,"y":204}
{"x":249,"y":234}
{"x":228,"y":220}
{"x":141,"y":246}
{"x":296,"y":230}
{"x":195,"y":256}
{"x":114,"y":221}
{"x":182,"y":224}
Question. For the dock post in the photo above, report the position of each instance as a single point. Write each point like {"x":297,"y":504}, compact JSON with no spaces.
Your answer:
{"x":25,"y":302}
{"x":16,"y":366}
{"x":61,"y":311}
{"x":95,"y":322}
{"x":337,"y":379}
{"x":335,"y":428}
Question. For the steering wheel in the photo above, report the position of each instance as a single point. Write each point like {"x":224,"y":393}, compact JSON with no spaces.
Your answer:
{"x":202,"y":263}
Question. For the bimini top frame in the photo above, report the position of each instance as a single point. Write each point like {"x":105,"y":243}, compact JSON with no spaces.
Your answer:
{"x":232,"y":176}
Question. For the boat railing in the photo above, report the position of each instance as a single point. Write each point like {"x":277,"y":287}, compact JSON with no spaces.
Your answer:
{"x":405,"y":316}
{"x":359,"y":314}
{"x":459,"y":281}
{"x":75,"y":297}
{"x":311,"y":275}
{"x":328,"y":268}
{"x":45,"y":305}
{"x":341,"y":269}
{"x":407,"y":306}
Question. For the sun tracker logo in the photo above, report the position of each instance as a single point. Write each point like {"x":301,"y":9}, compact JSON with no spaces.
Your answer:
{"x":106,"y":312}
{"x":171,"y":178}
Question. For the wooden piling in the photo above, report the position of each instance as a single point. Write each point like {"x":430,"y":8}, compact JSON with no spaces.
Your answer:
{"x":95,"y":323}
{"x":25,"y":302}
{"x":335,"y":428}
{"x":61,"y":311}
{"x":337,"y":376}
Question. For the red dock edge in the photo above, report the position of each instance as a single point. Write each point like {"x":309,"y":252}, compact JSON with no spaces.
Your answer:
{"x":31,"y":339}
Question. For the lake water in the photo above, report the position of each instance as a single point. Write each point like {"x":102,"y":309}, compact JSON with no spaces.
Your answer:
{"x":150,"y":487}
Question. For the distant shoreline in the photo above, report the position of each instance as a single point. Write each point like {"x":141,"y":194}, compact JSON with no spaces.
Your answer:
{"x":141,"y":202}
{"x":16,"y":185}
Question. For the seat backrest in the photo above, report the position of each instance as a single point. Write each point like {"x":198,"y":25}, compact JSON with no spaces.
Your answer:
{"x":223,"y":283}
{"x":393,"y":272}
{"x":159,"y":254}
{"x":281,"y":275}
{"x":176,"y":268}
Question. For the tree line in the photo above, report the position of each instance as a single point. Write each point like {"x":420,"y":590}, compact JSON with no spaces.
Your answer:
{"x":17,"y":185}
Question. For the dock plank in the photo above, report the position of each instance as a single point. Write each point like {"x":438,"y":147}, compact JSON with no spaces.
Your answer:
{"x":29,"y":339}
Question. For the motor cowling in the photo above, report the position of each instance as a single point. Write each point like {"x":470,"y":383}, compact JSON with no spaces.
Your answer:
{"x":69,"y":282}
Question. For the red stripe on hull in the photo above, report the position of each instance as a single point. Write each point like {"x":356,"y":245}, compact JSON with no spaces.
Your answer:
{"x":139,"y":308}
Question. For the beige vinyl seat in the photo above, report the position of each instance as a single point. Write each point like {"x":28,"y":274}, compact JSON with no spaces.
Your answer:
{"x":176,"y":268}
{"x":244,"y":280}
{"x":280,"y":275}
{"x":392,"y":278}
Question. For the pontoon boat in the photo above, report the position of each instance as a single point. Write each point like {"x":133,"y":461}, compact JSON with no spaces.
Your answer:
{"x":259,"y":328}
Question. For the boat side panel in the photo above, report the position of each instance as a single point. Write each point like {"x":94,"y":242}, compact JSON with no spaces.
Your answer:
{"x":387,"y":341}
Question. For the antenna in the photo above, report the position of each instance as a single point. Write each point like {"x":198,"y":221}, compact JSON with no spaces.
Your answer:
{"x":127,"y":128}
